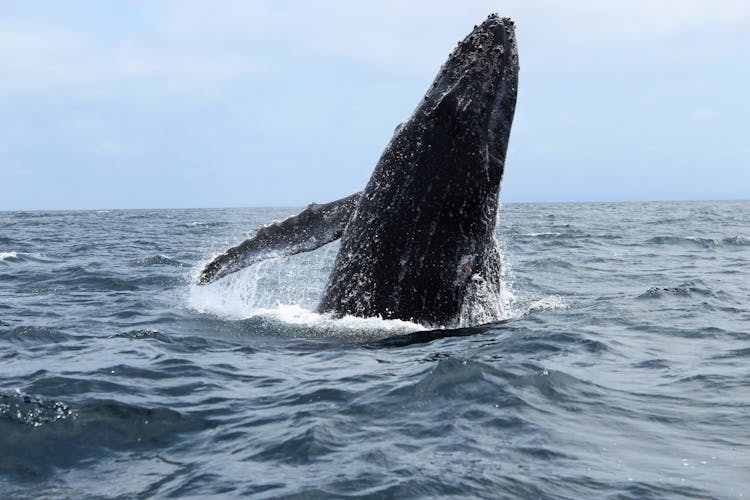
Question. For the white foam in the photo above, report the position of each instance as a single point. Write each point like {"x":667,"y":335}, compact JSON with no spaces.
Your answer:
{"x":536,"y":235}
{"x":296,"y":315}
{"x":226,"y":303}
{"x":8,"y":255}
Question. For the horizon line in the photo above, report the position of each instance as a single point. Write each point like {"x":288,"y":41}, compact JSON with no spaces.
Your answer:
{"x":255,"y":207}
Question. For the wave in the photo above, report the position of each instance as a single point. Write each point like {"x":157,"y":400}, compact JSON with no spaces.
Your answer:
{"x":542,"y":235}
{"x":738,"y":240}
{"x":35,"y":412}
{"x":84,"y":248}
{"x":21,"y":257}
{"x":155,"y":260}
{"x":143,"y":334}
{"x":61,"y":435}
{"x":16,"y":257}
{"x":200,"y":223}
{"x":685,"y":289}
{"x":549,"y":264}
{"x":34,"y":335}
{"x":553,"y":235}
{"x":90,"y":281}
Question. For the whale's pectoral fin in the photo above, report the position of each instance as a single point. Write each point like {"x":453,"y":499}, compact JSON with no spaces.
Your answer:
{"x":310,"y":229}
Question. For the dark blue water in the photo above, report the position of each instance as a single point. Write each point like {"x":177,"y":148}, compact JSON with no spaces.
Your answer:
{"x":620,"y":365}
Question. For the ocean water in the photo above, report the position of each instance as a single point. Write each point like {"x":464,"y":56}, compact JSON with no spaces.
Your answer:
{"x":619,"y":365}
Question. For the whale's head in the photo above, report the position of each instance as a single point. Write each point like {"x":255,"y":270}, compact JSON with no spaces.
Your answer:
{"x":474,"y":93}
{"x":449,"y":156}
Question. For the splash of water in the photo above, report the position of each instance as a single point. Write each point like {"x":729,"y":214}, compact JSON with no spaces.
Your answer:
{"x":287,"y":289}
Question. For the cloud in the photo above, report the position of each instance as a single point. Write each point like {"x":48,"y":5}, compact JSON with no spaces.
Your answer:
{"x":235,"y":91}
{"x":55,"y":61}
{"x":184,"y":46}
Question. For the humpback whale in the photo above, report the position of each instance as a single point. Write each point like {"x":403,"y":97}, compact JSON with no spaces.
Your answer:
{"x":418,"y":243}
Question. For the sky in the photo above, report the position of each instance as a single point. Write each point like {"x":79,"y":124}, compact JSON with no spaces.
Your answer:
{"x":166,"y":104}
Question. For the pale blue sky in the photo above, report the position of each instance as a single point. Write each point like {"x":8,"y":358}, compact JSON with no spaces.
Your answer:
{"x":150,"y":104}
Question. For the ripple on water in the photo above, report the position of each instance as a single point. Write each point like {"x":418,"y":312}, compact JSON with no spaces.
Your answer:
{"x":685,"y":289}
{"x":62,"y":435}
{"x":30,"y":335}
{"x":621,"y":371}
{"x":697,"y":241}
{"x":144,"y":334}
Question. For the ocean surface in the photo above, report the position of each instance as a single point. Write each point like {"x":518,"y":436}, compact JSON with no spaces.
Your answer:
{"x":619,"y":366}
